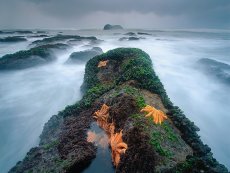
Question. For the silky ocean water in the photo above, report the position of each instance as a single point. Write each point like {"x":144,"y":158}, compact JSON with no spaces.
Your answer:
{"x":28,"y":98}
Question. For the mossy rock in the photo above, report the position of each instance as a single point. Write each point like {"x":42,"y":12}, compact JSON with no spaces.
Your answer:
{"x":84,"y":56}
{"x":29,"y":58}
{"x":12,"y":39}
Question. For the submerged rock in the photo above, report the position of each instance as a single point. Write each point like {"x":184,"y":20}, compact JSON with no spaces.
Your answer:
{"x":12,"y":39}
{"x":84,"y":56}
{"x":130,"y":34}
{"x":130,"y":38}
{"x":143,"y":33}
{"x":126,"y":84}
{"x":16,"y":32}
{"x":112,"y":27}
{"x":29,"y":58}
{"x":38,"y":36}
{"x":215,"y":69}
{"x":60,"y":38}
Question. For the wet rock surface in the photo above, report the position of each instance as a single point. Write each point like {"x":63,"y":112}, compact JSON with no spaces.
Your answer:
{"x":40,"y":55}
{"x":84,"y":56}
{"x":126,"y":84}
{"x":132,"y":38}
{"x":61,"y":38}
{"x":12,"y":39}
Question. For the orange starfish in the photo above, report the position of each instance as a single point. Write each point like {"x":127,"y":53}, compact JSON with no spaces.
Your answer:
{"x":109,"y":128}
{"x":102,"y":114}
{"x":102,"y":63}
{"x":158,"y":115}
{"x":118,"y":147}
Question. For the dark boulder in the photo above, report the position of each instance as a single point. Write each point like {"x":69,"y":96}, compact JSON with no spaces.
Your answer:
{"x":112,"y":27}
{"x":12,"y":39}
{"x":61,"y":38}
{"x":130,"y":34}
{"x":130,"y":38}
{"x":84,"y":56}
{"x":28,"y":58}
{"x":143,"y":33}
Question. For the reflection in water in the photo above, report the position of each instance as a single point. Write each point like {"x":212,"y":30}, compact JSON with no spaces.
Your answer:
{"x":102,"y":162}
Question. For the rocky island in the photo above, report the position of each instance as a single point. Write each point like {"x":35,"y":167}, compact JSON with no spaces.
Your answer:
{"x":146,"y":133}
{"x":112,"y":27}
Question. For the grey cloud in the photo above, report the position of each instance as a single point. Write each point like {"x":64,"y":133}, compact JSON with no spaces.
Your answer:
{"x":196,"y":13}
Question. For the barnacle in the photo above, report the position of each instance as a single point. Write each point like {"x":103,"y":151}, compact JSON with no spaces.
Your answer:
{"x":118,"y":147}
{"x":102,"y":63}
{"x":158,"y":115}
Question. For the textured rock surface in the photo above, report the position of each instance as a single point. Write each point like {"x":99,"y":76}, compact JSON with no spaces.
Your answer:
{"x":84,"y":56}
{"x":40,"y":55}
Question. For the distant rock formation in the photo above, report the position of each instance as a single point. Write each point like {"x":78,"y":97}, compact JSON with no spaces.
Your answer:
{"x":130,"y":38}
{"x":112,"y":27}
{"x":143,"y":33}
{"x":130,"y":34}
{"x":61,"y":38}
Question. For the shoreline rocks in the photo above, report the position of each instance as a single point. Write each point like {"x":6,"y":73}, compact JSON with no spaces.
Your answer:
{"x":83,"y":56}
{"x":40,"y":55}
{"x":126,"y":84}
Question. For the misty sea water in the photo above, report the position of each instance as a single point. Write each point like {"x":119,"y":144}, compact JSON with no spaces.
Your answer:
{"x":29,"y":97}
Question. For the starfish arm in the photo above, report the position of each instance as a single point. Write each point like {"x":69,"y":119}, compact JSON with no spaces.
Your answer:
{"x":122,"y":145}
{"x":149,"y":114}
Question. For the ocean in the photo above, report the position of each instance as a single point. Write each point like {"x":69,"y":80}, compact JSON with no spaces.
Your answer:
{"x":29,"y":97}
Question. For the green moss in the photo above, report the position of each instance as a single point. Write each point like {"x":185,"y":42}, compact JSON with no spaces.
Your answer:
{"x":155,"y":141}
{"x":51,"y":145}
{"x":169,"y":132}
{"x":186,"y":166}
{"x":90,"y":96}
{"x":137,"y":95}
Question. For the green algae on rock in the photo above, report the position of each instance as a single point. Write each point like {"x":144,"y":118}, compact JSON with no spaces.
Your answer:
{"x":125,"y":84}
{"x":29,"y":58}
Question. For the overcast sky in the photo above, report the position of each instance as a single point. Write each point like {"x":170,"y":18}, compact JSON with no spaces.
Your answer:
{"x":162,"y":14}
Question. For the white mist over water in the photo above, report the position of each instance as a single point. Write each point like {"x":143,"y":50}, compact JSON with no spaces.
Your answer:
{"x":28,"y":98}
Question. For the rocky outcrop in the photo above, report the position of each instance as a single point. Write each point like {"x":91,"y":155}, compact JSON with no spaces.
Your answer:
{"x":112,"y":27}
{"x":126,"y":84}
{"x":130,"y":34}
{"x":143,"y":33}
{"x":130,"y":38}
{"x":61,"y":38}
{"x":40,"y":55}
{"x":218,"y":70}
{"x":12,"y":39}
{"x":16,"y":32}
{"x":84,"y":56}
